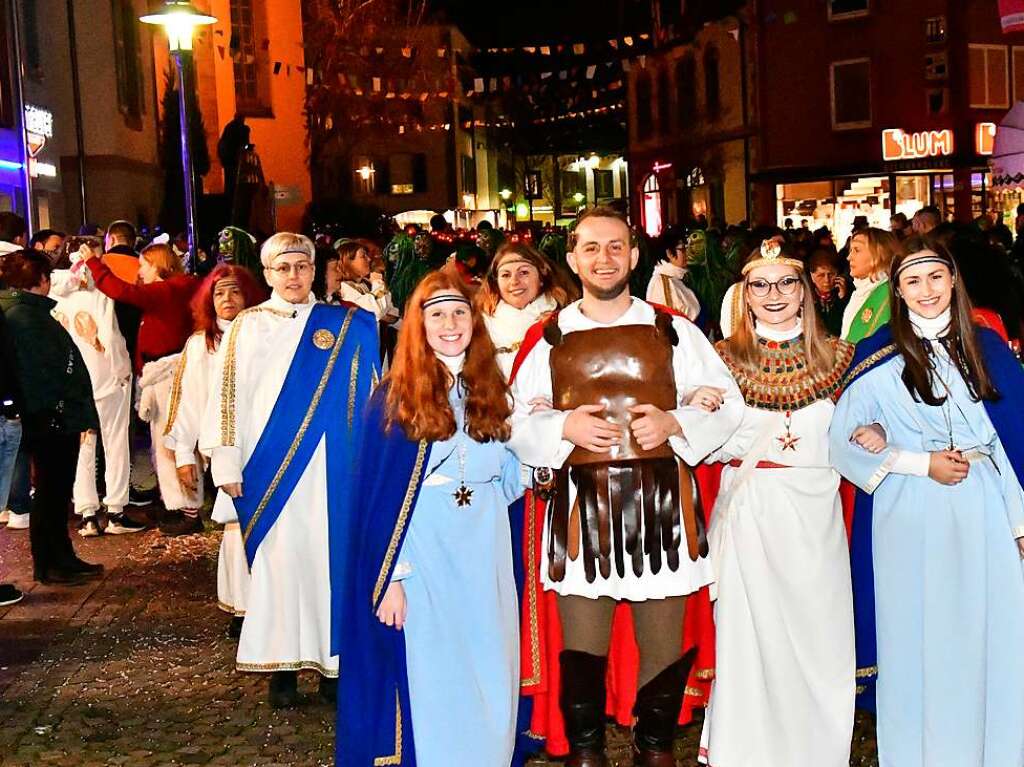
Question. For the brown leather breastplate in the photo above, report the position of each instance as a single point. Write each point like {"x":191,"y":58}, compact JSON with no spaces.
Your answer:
{"x":617,"y":367}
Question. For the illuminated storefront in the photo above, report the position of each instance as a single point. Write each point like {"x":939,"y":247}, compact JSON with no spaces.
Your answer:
{"x":916,"y":169}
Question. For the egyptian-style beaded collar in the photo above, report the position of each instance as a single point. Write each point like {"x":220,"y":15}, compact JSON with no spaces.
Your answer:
{"x":782,"y":382}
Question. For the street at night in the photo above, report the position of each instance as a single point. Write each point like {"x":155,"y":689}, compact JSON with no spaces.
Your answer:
{"x":438,"y":383}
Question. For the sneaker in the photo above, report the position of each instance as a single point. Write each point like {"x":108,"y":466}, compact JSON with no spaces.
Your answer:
{"x":89,"y":528}
{"x":9,"y":595}
{"x":4,"y":515}
{"x":176,"y":523}
{"x":121,"y":524}
{"x":138,"y":497}
{"x":17,"y":521}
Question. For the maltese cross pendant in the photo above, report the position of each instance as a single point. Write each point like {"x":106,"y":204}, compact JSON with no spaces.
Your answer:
{"x":463,"y":496}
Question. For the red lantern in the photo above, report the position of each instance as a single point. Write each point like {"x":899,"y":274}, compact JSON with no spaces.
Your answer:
{"x":1011,"y":15}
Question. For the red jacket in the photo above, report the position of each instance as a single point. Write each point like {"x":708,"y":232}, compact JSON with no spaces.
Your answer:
{"x":166,"y":315}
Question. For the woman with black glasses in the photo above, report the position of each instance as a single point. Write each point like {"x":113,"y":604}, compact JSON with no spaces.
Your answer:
{"x":784,"y":685}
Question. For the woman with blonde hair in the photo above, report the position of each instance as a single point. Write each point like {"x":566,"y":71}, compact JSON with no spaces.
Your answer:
{"x":870,"y":253}
{"x":520,"y":288}
{"x":784,"y":611}
{"x":429,"y":616}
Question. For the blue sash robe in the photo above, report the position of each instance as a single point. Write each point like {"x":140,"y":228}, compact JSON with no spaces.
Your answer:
{"x":938,"y":566}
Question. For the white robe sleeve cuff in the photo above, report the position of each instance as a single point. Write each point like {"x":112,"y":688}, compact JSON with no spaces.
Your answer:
{"x":402,"y":571}
{"x":184,"y":458}
{"x":226,"y":466}
{"x":909,"y":462}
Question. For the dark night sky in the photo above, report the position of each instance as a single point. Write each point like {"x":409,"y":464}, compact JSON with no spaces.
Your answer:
{"x":512,"y":22}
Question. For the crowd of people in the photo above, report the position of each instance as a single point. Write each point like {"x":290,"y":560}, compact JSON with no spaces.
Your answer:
{"x":490,"y":496}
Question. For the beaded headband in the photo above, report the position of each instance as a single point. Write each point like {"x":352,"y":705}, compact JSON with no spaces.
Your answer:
{"x":456,"y":297}
{"x":771,"y":255}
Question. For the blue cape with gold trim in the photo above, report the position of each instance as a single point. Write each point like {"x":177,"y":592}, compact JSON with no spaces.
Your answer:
{"x":1007,"y":416}
{"x":374,"y":721}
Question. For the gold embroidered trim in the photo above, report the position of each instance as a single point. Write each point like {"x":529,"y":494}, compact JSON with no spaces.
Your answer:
{"x":867,"y":672}
{"x":881,"y":354}
{"x":374,"y":376}
{"x":303,"y":427}
{"x":353,"y":376}
{"x":666,"y":286}
{"x":782,"y":381}
{"x":693,"y":692}
{"x":299,"y":665}
{"x":510,"y":349}
{"x":172,"y":408}
{"x":403,"y":517}
{"x":705,"y":673}
{"x":229,"y":609}
{"x":531,"y":594}
{"x":395,"y":758}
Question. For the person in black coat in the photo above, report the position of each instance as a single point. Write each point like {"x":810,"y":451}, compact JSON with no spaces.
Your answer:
{"x":56,"y":406}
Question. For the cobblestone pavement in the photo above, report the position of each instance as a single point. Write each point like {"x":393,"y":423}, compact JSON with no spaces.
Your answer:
{"x":136,"y":669}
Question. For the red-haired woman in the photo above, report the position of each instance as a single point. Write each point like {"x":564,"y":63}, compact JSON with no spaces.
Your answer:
{"x":225,"y":292}
{"x":433,"y":559}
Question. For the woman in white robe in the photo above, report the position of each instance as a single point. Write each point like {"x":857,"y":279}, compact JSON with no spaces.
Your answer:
{"x":667,"y":286}
{"x":784,"y":687}
{"x":224,"y":293}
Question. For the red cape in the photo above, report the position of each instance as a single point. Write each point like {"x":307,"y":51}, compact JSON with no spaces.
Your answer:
{"x":541,"y":630}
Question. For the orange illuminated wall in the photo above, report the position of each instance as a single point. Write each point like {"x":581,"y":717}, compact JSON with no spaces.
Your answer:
{"x":278,"y":130}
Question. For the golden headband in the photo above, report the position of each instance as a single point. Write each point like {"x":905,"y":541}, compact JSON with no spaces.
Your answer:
{"x":771,"y":255}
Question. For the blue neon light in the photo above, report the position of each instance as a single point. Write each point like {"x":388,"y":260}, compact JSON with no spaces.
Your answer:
{"x":9,"y":165}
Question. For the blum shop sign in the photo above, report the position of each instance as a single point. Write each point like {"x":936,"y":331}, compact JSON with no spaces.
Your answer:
{"x":899,"y":145}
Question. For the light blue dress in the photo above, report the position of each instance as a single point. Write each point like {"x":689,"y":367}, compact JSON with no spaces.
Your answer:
{"x":949,"y":582}
{"x":462,"y":626}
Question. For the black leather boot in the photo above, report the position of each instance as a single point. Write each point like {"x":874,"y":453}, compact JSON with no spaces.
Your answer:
{"x":658,"y":704}
{"x":284,"y":689}
{"x":582,"y":702}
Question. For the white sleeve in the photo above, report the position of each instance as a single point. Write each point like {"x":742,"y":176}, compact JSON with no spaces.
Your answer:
{"x":219,"y":426}
{"x":909,"y":462}
{"x":695,"y":363}
{"x":376,"y":302}
{"x":188,"y":398}
{"x":537,"y":438}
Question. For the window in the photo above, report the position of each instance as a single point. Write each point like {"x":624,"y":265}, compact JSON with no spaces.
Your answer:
{"x":250,"y":56}
{"x":1018,"y":73}
{"x":401,"y":174}
{"x":848,"y":9}
{"x":468,"y":175}
{"x":686,"y":91}
{"x":936,"y":66}
{"x":935,"y":30}
{"x":604,"y":184}
{"x":644,"y":122}
{"x":128,"y":62}
{"x":365,"y":174}
{"x":988,"y":76}
{"x":851,"y":94}
{"x":937,"y":101}
{"x":712,"y":95}
{"x":651,"y":208}
{"x":664,"y":103}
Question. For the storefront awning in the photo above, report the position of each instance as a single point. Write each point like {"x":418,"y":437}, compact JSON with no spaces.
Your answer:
{"x":1008,"y":154}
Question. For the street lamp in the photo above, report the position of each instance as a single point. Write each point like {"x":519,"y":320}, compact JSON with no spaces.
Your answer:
{"x":179,"y":18}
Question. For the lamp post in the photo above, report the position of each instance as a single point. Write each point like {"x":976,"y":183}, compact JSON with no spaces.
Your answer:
{"x":179,"y":18}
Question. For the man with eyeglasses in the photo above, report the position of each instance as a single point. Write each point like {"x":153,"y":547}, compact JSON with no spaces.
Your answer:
{"x":619,"y":398}
{"x":279,"y":427}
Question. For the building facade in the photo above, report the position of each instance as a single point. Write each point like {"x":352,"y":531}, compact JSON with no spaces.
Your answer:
{"x":689,"y":130}
{"x":889,"y":106}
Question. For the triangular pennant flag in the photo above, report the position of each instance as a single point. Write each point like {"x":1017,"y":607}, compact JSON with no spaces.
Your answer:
{"x":545,"y":50}
{"x":591,"y":70}
{"x":478,"y":84}
{"x":579,"y":49}
{"x":628,"y":41}
{"x":614,"y":44}
{"x":441,"y":52}
{"x":407,"y":52}
{"x":493,"y":84}
{"x":530,"y":49}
